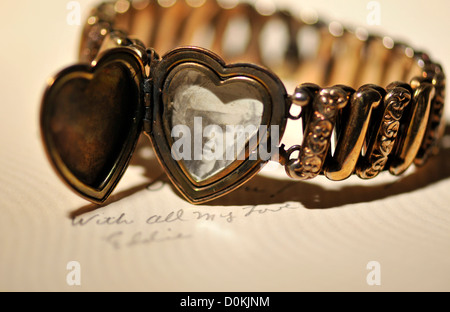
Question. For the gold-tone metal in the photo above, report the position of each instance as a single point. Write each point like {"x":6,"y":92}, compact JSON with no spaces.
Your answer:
{"x":351,"y":140}
{"x":92,"y":113}
{"x":414,"y":134}
{"x":381,"y":145}
{"x":275,"y":102}
{"x":198,"y":23}
{"x":317,"y":135}
{"x":373,"y":62}
{"x":436,"y":123}
{"x":91,"y":119}
{"x":347,"y":50}
{"x":117,"y":39}
{"x":398,"y":64}
{"x":316,"y":70}
{"x":167,"y":36}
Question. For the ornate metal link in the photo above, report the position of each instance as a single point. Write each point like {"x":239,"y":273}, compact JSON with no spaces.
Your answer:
{"x":320,"y":123}
{"x":378,"y":129}
{"x":381,"y":145}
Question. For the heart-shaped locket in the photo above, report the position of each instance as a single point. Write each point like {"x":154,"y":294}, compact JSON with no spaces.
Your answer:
{"x":212,"y":125}
{"x":212,"y":122}
{"x":91,"y":118}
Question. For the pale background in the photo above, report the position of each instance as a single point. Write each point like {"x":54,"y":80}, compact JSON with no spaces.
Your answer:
{"x":404,"y":224}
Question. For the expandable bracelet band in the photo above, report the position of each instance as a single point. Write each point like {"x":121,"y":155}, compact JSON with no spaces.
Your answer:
{"x":93,"y":113}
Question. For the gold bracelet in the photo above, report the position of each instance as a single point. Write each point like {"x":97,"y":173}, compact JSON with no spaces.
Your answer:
{"x":213,"y":124}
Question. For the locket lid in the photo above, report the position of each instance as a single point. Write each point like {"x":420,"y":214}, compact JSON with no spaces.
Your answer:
{"x":91,"y":119}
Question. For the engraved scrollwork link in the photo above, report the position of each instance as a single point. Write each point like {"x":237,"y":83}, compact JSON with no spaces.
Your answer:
{"x":416,"y":122}
{"x":317,"y":135}
{"x":436,"y":124}
{"x":395,"y":101}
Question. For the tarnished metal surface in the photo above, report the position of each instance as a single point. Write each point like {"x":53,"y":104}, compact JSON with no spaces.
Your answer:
{"x":92,"y":114}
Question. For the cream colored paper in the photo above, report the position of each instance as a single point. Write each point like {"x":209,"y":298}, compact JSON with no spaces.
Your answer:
{"x":274,"y":234}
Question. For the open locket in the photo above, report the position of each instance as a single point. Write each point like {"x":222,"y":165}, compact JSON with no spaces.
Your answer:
{"x":92,"y":116}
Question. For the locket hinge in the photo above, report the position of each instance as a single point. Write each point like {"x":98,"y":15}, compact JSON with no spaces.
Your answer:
{"x":147,"y":88}
{"x":152,"y":60}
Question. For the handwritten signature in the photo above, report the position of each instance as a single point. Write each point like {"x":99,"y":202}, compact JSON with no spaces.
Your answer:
{"x":120,"y":239}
